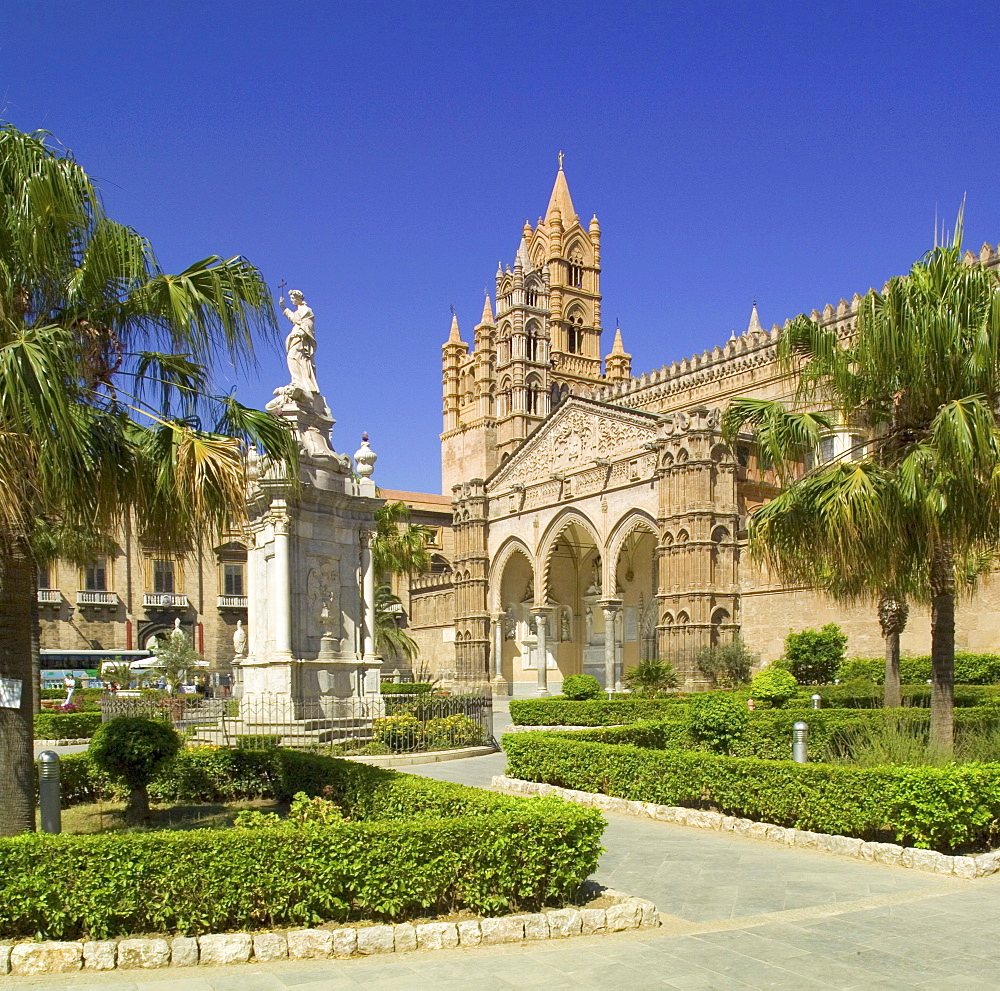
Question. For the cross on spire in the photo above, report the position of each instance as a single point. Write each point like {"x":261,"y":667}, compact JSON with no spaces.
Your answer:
{"x":561,"y":156}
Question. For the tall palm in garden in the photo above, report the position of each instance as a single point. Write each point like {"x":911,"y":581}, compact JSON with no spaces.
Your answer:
{"x":104,"y":375}
{"x":390,"y":639}
{"x":400,"y":547}
{"x":920,"y":374}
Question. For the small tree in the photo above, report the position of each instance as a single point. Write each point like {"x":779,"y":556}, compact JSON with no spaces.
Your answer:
{"x":727,"y":665}
{"x":132,"y":750}
{"x":176,"y":658}
{"x":651,"y":678}
{"x":814,"y":656}
{"x":717,"y":722}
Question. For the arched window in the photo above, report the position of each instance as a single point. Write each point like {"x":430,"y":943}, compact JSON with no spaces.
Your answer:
{"x":576,"y":266}
{"x":533,"y":396}
{"x":503,"y":399}
{"x":531,"y":294}
{"x":535,"y":347}
{"x":574,"y":332}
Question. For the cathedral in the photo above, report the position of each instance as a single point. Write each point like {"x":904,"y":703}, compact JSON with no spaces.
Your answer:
{"x":599,"y":518}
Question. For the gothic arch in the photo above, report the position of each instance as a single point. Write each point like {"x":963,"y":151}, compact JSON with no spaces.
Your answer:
{"x":510,"y":547}
{"x":565,"y":519}
{"x":633,"y":520}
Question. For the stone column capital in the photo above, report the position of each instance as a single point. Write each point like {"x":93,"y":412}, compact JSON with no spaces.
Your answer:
{"x":610,"y":606}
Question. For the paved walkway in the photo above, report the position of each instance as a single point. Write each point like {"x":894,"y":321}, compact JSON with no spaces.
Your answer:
{"x":738,"y":913}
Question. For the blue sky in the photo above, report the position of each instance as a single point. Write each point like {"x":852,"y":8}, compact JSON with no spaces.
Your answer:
{"x":383,"y":156}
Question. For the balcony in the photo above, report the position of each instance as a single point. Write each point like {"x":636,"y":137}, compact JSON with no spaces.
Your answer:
{"x":49,"y":597}
{"x":92,"y":598}
{"x":233,"y":601}
{"x":164,"y":600}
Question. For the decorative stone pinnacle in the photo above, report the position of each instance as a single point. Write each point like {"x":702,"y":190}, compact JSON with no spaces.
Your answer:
{"x":365,"y":458}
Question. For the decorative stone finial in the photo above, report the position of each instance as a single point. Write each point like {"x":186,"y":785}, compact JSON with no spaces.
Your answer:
{"x":365,"y":458}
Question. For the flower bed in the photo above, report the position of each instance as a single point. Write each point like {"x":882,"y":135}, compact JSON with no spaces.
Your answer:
{"x":937,"y":808}
{"x":411,"y":847}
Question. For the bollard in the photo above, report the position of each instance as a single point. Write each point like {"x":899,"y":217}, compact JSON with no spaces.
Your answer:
{"x":800,"y":742}
{"x":49,"y":799}
{"x":816,"y":700}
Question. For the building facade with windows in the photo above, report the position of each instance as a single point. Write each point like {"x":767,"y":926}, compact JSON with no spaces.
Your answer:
{"x":122,"y":600}
{"x":599,"y":517}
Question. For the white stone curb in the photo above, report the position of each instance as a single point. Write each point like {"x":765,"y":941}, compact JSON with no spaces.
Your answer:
{"x":32,"y":958}
{"x":981,"y":865}
{"x":63,"y":743}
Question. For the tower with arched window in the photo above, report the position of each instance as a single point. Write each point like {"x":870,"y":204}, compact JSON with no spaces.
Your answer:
{"x":544,"y":343}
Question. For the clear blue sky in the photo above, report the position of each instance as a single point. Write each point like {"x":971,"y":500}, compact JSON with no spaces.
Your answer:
{"x":383,"y":156}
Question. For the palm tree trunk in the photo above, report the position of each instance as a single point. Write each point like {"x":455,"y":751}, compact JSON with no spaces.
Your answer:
{"x":942,"y":582}
{"x":17,"y":765}
{"x":36,"y":646}
{"x":892,"y":615}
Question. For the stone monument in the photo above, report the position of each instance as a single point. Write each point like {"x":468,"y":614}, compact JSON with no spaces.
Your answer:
{"x":311,"y":608}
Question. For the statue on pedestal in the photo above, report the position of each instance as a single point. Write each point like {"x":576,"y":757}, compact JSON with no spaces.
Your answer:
{"x":239,"y":641}
{"x":301,"y":343}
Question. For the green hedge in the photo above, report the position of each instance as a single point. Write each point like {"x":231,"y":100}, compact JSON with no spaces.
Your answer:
{"x":767,"y":734}
{"x":412,"y":847}
{"x":970,"y":668}
{"x":860,"y":694}
{"x":66,"y":725}
{"x":597,"y":712}
{"x":406,"y":687}
{"x":944,"y":809}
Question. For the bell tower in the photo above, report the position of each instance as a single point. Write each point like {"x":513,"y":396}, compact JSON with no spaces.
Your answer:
{"x":543,"y":344}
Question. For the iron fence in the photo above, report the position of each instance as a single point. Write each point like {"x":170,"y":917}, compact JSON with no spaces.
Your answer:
{"x":389,"y":724}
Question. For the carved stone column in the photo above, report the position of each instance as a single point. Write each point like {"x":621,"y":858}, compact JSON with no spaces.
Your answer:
{"x":610,"y":608}
{"x":499,"y":682}
{"x":282,"y":589}
{"x":541,"y":650}
{"x":368,"y":596}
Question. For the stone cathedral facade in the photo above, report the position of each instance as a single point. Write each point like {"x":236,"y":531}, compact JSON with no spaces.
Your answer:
{"x":599,"y":518}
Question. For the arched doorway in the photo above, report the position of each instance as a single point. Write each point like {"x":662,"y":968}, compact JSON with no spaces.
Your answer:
{"x":636,"y":586}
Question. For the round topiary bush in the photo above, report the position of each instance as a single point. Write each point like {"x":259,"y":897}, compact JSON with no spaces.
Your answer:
{"x":717,"y":721}
{"x":774,"y":686}
{"x":132,"y":750}
{"x":580,"y":687}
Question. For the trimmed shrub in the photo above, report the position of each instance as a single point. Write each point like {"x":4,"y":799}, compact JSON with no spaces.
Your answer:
{"x":406,"y":687}
{"x":773,"y":686}
{"x":717,"y":722}
{"x":861,"y":694}
{"x":66,"y":725}
{"x":414,"y":847}
{"x":940,"y":808}
{"x":814,"y":656}
{"x":133,"y":750}
{"x":580,"y":687}
{"x":565,"y":712}
{"x":970,"y":669}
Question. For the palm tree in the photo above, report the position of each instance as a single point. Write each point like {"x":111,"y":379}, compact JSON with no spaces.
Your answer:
{"x":390,"y":639}
{"x":399,"y":547}
{"x":920,"y":375}
{"x":105,"y":365}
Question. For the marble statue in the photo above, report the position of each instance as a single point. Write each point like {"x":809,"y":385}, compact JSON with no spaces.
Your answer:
{"x":240,"y":640}
{"x":509,"y":624}
{"x":565,"y":627}
{"x":177,"y":631}
{"x":301,"y":343}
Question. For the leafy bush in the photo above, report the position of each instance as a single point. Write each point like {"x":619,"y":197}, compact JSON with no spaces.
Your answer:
{"x":773,"y":686}
{"x":651,"y":678}
{"x":304,"y":811}
{"x":580,"y":687}
{"x":452,"y":731}
{"x":66,"y":725}
{"x":258,"y":741}
{"x":860,"y":694}
{"x":814,"y":656}
{"x":939,"y":808}
{"x":133,"y":750}
{"x":406,"y":687}
{"x":717,"y":722}
{"x":400,"y":733}
{"x":727,"y":665}
{"x":413,"y":847}
{"x":565,"y":712}
{"x":970,"y":669}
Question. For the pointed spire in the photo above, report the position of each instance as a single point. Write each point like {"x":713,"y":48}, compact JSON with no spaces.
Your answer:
{"x":487,"y":320}
{"x":618,"y":347}
{"x":754,"y":321}
{"x":454,"y":337}
{"x":560,"y":199}
{"x":522,"y":255}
